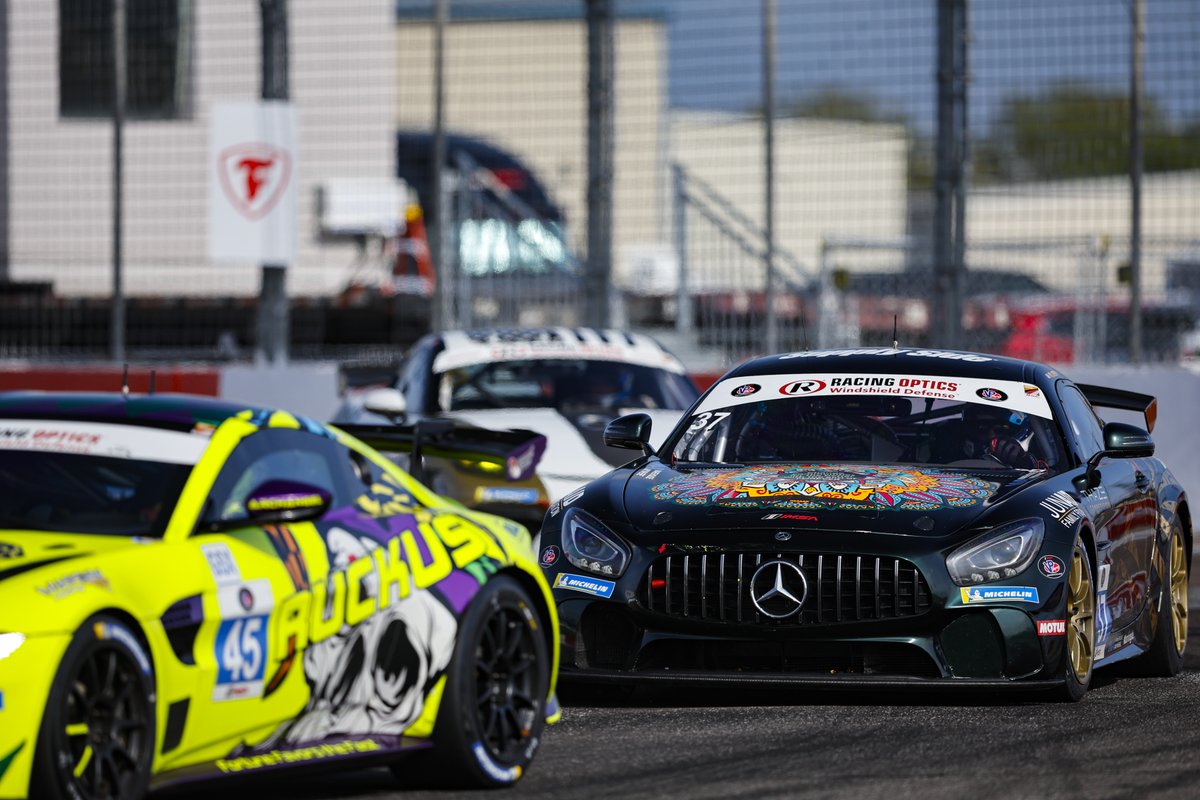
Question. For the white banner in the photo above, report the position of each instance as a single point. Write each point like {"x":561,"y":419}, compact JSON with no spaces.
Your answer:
{"x":1013,"y":395}
{"x":102,"y":439}
{"x":252,"y":176}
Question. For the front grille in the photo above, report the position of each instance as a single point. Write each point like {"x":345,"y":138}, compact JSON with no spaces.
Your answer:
{"x":715,"y":587}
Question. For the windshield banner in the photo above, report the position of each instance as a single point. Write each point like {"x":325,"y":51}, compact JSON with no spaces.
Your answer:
{"x":99,"y":439}
{"x":1012,"y":395}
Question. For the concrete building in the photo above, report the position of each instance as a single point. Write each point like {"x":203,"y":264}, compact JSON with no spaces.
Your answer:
{"x":342,"y":81}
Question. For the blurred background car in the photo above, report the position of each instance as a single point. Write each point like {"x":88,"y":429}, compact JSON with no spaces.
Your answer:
{"x":564,"y":383}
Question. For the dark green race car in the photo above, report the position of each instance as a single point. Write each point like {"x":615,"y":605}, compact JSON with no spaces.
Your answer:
{"x":887,"y":517}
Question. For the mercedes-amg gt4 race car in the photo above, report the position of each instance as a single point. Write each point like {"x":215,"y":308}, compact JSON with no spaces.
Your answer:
{"x":886,"y":517}
{"x":192,"y":589}
{"x":564,"y":383}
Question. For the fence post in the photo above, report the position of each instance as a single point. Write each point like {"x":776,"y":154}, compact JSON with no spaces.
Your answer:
{"x":272,"y":300}
{"x":600,"y":95}
{"x":684,"y":313}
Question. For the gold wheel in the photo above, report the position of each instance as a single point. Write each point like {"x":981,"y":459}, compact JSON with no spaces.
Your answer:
{"x":1179,"y":590}
{"x":1081,"y":615}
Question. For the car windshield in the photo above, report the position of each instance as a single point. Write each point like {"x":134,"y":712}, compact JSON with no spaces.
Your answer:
{"x":563,"y":384}
{"x":76,"y":477}
{"x":993,"y":429}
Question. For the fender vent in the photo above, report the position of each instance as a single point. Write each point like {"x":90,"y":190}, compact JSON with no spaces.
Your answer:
{"x":182,"y":621}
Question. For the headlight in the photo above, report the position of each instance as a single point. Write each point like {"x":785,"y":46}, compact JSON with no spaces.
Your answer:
{"x":9,"y":642}
{"x":592,"y":547}
{"x":997,"y":554}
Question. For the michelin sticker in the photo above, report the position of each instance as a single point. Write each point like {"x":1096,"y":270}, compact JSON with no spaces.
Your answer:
{"x":579,"y":583}
{"x":999,"y":594}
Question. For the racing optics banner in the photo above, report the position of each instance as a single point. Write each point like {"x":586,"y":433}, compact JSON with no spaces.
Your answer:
{"x":98,"y":439}
{"x":1013,"y":395}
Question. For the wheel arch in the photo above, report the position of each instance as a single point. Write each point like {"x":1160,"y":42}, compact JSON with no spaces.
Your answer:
{"x":546,"y":615}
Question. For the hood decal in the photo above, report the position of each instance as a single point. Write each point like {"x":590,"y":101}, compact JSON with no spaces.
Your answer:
{"x":825,"y":486}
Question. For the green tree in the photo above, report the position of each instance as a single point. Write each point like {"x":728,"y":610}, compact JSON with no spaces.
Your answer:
{"x":1077,"y":131}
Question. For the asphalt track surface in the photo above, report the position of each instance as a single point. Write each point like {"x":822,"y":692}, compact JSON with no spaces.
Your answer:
{"x":1129,"y":737}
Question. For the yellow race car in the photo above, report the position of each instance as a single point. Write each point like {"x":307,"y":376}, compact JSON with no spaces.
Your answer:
{"x":192,"y":589}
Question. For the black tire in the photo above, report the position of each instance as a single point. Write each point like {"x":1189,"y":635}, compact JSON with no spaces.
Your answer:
{"x":1080,"y":650}
{"x":492,"y":713}
{"x":1164,"y":659}
{"x":97,"y":736}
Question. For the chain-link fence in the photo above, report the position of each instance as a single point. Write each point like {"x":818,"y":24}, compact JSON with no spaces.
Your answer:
{"x":1047,"y":190}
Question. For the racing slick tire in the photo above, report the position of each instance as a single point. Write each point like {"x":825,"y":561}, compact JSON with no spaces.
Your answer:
{"x":1164,"y":659}
{"x":97,"y":736}
{"x":1079,"y":656}
{"x":492,"y":712}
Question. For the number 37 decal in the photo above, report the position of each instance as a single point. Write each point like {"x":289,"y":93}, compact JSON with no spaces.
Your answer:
{"x":707,"y":420}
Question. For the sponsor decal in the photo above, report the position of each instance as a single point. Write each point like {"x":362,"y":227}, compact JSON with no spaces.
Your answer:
{"x":506,"y":494}
{"x":1099,"y":654}
{"x":889,"y":351}
{"x":807,"y":386}
{"x":572,"y":497}
{"x":10,"y":550}
{"x":579,"y":583}
{"x":299,"y":755}
{"x":494,"y":770}
{"x":118,"y":633}
{"x":520,"y":464}
{"x":285,"y":502}
{"x":1095,"y":501}
{"x":649,"y":473}
{"x":746,"y":389}
{"x":1032,"y":391}
{"x":1103,"y":621}
{"x":68,"y":585}
{"x":992,"y":395}
{"x":221,"y":563}
{"x":999,"y":594}
{"x":793,"y":517}
{"x":1052,"y":567}
{"x":820,"y":486}
{"x":1063,"y":508}
{"x":1052,"y":627}
{"x":550,"y":556}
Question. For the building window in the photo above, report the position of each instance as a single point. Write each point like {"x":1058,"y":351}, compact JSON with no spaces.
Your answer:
{"x":158,"y":47}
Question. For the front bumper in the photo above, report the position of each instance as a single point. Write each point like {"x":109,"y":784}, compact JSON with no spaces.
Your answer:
{"x":920,"y":636}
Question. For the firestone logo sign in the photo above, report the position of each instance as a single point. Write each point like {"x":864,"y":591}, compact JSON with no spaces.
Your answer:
{"x":254,"y":176}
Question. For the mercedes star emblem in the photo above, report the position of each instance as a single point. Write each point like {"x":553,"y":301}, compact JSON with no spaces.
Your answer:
{"x":778,"y":589}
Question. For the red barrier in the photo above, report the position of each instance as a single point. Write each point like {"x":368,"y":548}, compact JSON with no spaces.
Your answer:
{"x":108,"y":379}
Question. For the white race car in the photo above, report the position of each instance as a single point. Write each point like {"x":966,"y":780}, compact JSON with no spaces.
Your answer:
{"x":564,"y":383}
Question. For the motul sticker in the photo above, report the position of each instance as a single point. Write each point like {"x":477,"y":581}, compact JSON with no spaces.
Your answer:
{"x":1051,"y":627}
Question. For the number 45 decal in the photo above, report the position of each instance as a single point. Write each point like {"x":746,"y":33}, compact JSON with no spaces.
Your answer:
{"x":241,"y":656}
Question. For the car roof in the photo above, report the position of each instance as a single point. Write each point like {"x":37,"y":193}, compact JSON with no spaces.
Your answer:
{"x":170,"y":411}
{"x":889,"y":360}
{"x":470,"y":347}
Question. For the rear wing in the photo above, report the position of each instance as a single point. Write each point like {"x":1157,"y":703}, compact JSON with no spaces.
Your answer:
{"x":517,"y":452}
{"x":1126,"y":401}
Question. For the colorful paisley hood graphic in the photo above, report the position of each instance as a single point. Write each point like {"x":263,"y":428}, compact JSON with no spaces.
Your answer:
{"x":820,"y":486}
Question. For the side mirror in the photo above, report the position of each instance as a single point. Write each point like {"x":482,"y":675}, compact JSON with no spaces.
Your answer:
{"x":1127,"y":441}
{"x":386,"y":402}
{"x":278,"y":501}
{"x":1121,"y":440}
{"x":630,"y":432}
